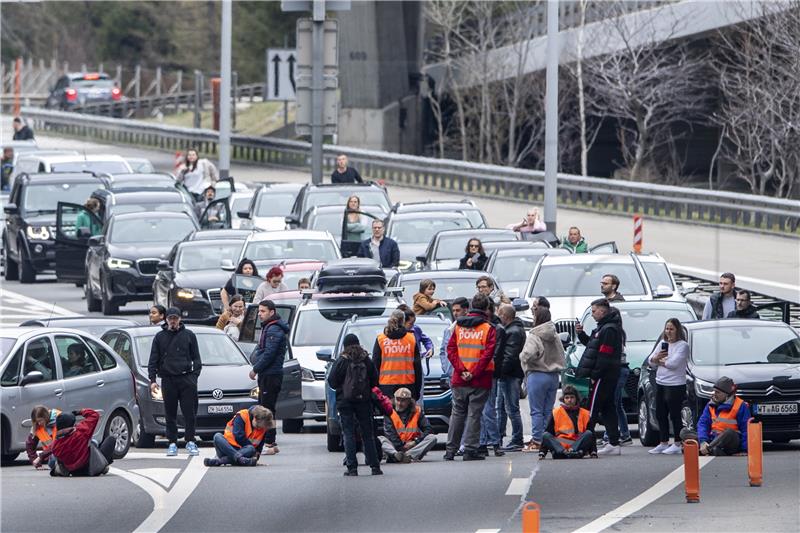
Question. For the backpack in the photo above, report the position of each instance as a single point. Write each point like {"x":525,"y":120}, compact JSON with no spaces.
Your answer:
{"x":356,"y":385}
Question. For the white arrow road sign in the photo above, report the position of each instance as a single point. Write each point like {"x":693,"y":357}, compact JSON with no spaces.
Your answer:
{"x":281,"y":72}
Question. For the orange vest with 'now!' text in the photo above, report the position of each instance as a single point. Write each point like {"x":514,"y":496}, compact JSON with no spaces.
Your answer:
{"x":471,"y":342}
{"x":397,"y":359}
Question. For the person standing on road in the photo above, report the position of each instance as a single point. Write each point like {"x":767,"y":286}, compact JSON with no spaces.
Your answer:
{"x":574,"y":242}
{"x":407,"y":434}
{"x":380,"y":248}
{"x":268,"y":359}
{"x":230,"y":321}
{"x":196,"y":174}
{"x":723,"y":302}
{"x":344,"y":173}
{"x":274,"y":283}
{"x":609,"y":287}
{"x":601,"y":362}
{"x":175,"y":358}
{"x":353,"y":376}
{"x":71,"y":453}
{"x":245,"y":268}
{"x":396,"y":355}
{"x":157,"y":315}
{"x":722,"y":428}
{"x":542,"y":360}
{"x":567,"y":436}
{"x":474,"y":256}
{"x":490,"y":433}
{"x":22,"y":132}
{"x":243,"y":440}
{"x":471,"y":353}
{"x":744,"y":308}
{"x":458,"y":308}
{"x":511,"y":374}
{"x":43,"y":431}
{"x":670,"y":358}
{"x":6,"y":169}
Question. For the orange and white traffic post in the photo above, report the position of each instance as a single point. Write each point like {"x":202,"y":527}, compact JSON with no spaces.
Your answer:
{"x":530,"y":517}
{"x":755,"y":453}
{"x":691,"y":470}
{"x":637,"y":233}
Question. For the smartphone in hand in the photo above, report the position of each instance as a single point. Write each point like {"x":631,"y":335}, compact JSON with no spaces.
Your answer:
{"x":665,"y":345}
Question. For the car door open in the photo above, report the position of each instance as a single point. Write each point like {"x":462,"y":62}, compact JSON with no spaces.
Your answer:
{"x":74,"y":226}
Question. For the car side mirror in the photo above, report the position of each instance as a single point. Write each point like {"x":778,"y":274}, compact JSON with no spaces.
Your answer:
{"x":291,"y":219}
{"x":520,"y":304}
{"x":10,"y":209}
{"x":421,"y":258}
{"x":228,"y":265}
{"x":325,"y":354}
{"x":162,"y":265}
{"x":662,"y":291}
{"x":243,"y":214}
{"x":97,"y":240}
{"x":688,"y":287}
{"x":32,"y":377}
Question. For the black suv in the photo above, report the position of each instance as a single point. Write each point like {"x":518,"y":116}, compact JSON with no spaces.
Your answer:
{"x":336,"y":194}
{"x":78,"y":88}
{"x":29,"y":233}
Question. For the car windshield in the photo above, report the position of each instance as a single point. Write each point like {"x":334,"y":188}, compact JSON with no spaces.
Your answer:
{"x":571,"y":280}
{"x":332,"y":222}
{"x":151,"y":229}
{"x":367,"y":333}
{"x":340,"y":196}
{"x":642,"y":325}
{"x":82,"y":83}
{"x":280,"y":249}
{"x":321,"y":327}
{"x":452,"y":246}
{"x":108,"y":167}
{"x":208,"y":256}
{"x":274,"y":204}
{"x":516,"y":267}
{"x":421,"y":230}
{"x":6,"y":343}
{"x":446,"y":289}
{"x":240,"y":204}
{"x":215,"y":350}
{"x":176,"y":207}
{"x":45,"y":197}
{"x":657,"y":275}
{"x":730,"y":345}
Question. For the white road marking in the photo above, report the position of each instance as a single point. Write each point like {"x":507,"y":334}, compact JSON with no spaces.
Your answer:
{"x":655,"y":492}
{"x":146,"y":455}
{"x":518,"y":486}
{"x":487,"y":531}
{"x":162,"y":476}
{"x":713,"y":274}
{"x":16,"y":308}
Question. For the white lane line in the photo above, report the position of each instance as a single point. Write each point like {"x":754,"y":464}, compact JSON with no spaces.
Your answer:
{"x":162,"y":476}
{"x":487,"y":531}
{"x":713,"y":274}
{"x":146,"y":455}
{"x":7,"y":296}
{"x":655,"y":492}
{"x":518,"y":487}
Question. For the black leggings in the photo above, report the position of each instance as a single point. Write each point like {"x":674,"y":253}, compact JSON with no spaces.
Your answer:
{"x":669,"y":402}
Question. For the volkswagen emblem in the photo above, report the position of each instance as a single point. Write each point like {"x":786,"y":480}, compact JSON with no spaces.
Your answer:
{"x":217,"y":394}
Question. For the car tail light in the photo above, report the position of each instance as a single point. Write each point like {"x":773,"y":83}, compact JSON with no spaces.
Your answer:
{"x":72,"y":94}
{"x":116,"y":94}
{"x":92,"y":76}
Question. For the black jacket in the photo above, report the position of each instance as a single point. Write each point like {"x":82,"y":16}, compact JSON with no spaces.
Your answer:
{"x":350,"y":175}
{"x":271,"y":350}
{"x":339,"y":371}
{"x":515,"y":337}
{"x":418,"y":375}
{"x":24,"y":134}
{"x":750,"y":312}
{"x":390,"y":432}
{"x":480,"y":264}
{"x":603,"y":353}
{"x":174,"y":353}
{"x":499,"y":348}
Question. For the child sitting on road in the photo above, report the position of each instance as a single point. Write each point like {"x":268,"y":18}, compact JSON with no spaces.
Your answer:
{"x":424,"y":302}
{"x":243,"y":440}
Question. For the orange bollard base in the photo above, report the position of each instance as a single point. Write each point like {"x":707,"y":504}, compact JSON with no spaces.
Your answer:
{"x":691,"y":470}
{"x":530,"y":517}
{"x":755,"y":453}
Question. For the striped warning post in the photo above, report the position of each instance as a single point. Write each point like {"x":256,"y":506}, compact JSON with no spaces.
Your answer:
{"x":637,"y":233}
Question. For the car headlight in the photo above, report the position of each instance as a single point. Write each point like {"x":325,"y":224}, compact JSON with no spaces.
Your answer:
{"x":255,"y":393}
{"x":306,"y":374}
{"x":702,"y":388}
{"x":113,"y":262}
{"x":188,"y":294}
{"x":38,"y":233}
{"x":156,"y":394}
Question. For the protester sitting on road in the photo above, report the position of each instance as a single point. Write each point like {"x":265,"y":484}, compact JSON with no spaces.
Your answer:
{"x":486,"y":286}
{"x":85,"y":221}
{"x":722,"y":428}
{"x":273,"y":284}
{"x":407,"y":435}
{"x":542,"y":360}
{"x":474,"y":256}
{"x":723,"y":302}
{"x":744,"y":308}
{"x":157,"y":315}
{"x":71,"y":447}
{"x":510,"y":379}
{"x":424,"y":302}
{"x":43,"y":432}
{"x":353,"y":376}
{"x":303,"y":284}
{"x":609,"y":287}
{"x":380,"y":247}
{"x":532,"y":223}
{"x":397,"y":358}
{"x":245,"y":268}
{"x":574,"y":242}
{"x":196,"y":174}
{"x":243,"y":440}
{"x":670,"y":357}
{"x":231,"y":319}
{"x":356,"y":225}
{"x":567,"y":436}
{"x":458,"y":308}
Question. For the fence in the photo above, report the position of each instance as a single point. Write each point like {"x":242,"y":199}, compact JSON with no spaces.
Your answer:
{"x":681,"y":204}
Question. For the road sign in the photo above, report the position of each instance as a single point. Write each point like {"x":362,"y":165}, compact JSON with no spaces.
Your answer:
{"x":330,"y":108}
{"x":281,"y":74}
{"x":330,"y":46}
{"x":304,"y":119}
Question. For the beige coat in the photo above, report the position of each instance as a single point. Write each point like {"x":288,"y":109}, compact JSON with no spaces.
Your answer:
{"x":543,"y":351}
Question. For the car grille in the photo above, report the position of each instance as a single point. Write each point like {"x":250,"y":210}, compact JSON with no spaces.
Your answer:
{"x":433,"y":387}
{"x":215,"y":298}
{"x":772,"y":393}
{"x":632,"y":385}
{"x":565,"y":326}
{"x":225,"y":393}
{"x":319,"y":376}
{"x":147,"y":267}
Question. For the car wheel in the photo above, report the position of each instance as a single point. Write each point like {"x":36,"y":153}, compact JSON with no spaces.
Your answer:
{"x":647,"y":433}
{"x":142,"y":439}
{"x":292,"y":425}
{"x":92,"y":304}
{"x":107,"y":306}
{"x":27,"y":274}
{"x":335,"y":443}
{"x":6,"y":455}
{"x":10,"y":268}
{"x":119,"y":427}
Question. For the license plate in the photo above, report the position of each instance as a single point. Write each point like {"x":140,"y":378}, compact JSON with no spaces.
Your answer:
{"x":776,"y":409}
{"x":216,"y":409}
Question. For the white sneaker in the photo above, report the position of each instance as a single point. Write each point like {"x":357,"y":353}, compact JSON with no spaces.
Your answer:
{"x":659,"y":449}
{"x":609,"y":449}
{"x":674,"y":449}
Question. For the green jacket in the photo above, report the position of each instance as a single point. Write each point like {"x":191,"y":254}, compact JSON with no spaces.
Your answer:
{"x":84,"y":220}
{"x":581,"y":248}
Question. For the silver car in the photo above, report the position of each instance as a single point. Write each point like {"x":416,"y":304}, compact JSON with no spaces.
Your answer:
{"x":64,"y":369}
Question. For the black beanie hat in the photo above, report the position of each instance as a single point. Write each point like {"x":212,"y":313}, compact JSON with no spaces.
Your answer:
{"x":351,"y":340}
{"x":65,"y":420}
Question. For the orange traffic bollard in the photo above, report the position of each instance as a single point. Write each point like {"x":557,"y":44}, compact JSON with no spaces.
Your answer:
{"x":691,"y":470}
{"x":530,"y":517}
{"x":637,"y":233}
{"x":755,"y":453}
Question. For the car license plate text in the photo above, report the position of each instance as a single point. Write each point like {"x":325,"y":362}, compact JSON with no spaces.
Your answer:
{"x":215,"y":409}
{"x":776,"y":409}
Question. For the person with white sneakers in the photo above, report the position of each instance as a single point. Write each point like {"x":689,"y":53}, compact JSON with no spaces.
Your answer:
{"x":669,"y":358}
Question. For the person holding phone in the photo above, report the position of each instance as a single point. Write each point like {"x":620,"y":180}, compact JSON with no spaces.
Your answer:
{"x":669,"y":358}
{"x":474,"y":256}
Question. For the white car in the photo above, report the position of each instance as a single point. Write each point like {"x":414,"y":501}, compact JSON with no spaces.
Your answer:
{"x":240,"y":201}
{"x":34,"y":163}
{"x":284,"y":245}
{"x":272,"y":204}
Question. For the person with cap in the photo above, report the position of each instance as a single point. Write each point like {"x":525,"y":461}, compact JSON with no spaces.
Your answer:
{"x":216,"y":213}
{"x":407,"y":434}
{"x":175,"y":358}
{"x":722,"y":428}
{"x":567,"y":435}
{"x":243,"y":440}
{"x":71,"y":446}
{"x":43,"y":433}
{"x":352,"y":376}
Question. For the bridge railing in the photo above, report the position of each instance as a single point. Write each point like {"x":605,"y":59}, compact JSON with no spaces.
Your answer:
{"x":684,"y":204}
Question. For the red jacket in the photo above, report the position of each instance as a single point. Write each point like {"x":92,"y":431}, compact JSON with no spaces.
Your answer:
{"x":481,"y":377}
{"x":72,"y":444}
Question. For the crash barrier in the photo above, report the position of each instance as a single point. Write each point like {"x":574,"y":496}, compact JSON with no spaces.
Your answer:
{"x":691,"y":470}
{"x":531,"y":513}
{"x":474,"y":179}
{"x":755,"y":452}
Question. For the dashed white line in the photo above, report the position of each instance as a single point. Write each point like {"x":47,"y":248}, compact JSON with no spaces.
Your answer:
{"x":518,"y":486}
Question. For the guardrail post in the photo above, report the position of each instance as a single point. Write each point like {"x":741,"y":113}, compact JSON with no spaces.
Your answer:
{"x":691,"y":470}
{"x":755,"y":453}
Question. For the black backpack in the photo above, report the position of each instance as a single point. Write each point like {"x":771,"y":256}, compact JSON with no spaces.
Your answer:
{"x":356,"y":384}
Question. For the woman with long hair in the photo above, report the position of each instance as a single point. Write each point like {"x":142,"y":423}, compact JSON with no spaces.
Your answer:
{"x":231,"y":319}
{"x":196,"y":174}
{"x":356,"y":222}
{"x":245,"y":268}
{"x":157,"y":315}
{"x":397,"y":357}
{"x":474,"y":256}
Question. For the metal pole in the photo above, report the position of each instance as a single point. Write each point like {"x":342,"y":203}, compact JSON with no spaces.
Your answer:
{"x":235,"y":79}
{"x":225,"y":93}
{"x":198,"y":97}
{"x":137,"y":88}
{"x":317,"y":89}
{"x":551,"y":118}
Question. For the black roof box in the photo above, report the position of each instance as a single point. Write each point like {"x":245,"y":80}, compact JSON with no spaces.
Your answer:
{"x":354,"y":274}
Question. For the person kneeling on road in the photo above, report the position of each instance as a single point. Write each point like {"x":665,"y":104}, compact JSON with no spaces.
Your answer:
{"x":722,"y":428}
{"x":566,"y":436}
{"x":407,"y":434}
{"x":243,"y":440}
{"x":71,"y":452}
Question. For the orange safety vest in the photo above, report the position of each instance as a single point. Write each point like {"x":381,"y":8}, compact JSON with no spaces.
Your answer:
{"x":728,"y":420}
{"x":565,"y":430}
{"x":471,"y":342}
{"x":410,"y":431}
{"x":46,"y":439}
{"x":397,"y":359}
{"x":255,"y":436}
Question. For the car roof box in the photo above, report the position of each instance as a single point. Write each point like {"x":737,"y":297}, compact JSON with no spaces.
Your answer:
{"x":351,"y":275}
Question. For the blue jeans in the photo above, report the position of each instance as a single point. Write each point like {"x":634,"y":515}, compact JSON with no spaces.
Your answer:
{"x":490,"y":435}
{"x":508,"y":390}
{"x":349,"y":413}
{"x":542,"y":387}
{"x":225,"y":450}
{"x":624,"y":432}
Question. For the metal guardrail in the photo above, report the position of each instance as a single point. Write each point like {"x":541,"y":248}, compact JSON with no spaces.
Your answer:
{"x":682,"y":204}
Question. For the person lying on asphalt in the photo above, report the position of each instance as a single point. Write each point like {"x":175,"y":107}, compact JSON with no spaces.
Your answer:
{"x":71,"y":453}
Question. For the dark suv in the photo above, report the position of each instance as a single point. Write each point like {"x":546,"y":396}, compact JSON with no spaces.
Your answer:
{"x":29,"y":234}
{"x":78,"y":88}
